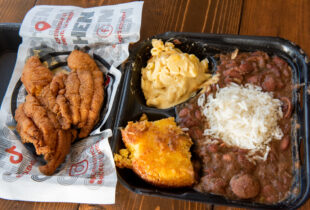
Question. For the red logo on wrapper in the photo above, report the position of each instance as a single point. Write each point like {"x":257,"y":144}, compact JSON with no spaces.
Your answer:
{"x":79,"y":168}
{"x":17,"y":158}
{"x":104,"y":31}
{"x":42,"y":25}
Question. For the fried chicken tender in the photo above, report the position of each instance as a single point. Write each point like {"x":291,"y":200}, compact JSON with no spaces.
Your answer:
{"x":79,"y":60}
{"x":159,"y":152}
{"x":73,"y":96}
{"x":86,"y":93}
{"x":56,"y":104}
{"x":39,"y":126}
{"x":38,"y":114}
{"x":91,"y":78}
{"x":96,"y":104}
{"x":28,"y":131}
{"x":51,"y":98}
{"x":35,"y":76}
{"x":65,"y":137}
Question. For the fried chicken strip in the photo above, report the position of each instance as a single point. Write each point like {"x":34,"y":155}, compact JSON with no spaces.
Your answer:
{"x":39,"y":116}
{"x":29,"y":132}
{"x":80,"y":62}
{"x":39,"y":126}
{"x":51,"y":98}
{"x":96,"y":104}
{"x":35,"y":76}
{"x":72,"y":94}
{"x":65,"y":137}
{"x":86,"y":93}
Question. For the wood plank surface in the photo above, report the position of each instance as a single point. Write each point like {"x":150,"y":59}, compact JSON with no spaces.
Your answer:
{"x":289,"y":19}
{"x":80,"y":3}
{"x":127,"y":200}
{"x":23,"y":205}
{"x":15,"y":10}
{"x":209,"y":16}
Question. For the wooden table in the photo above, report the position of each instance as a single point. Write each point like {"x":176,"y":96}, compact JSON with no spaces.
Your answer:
{"x":289,"y":19}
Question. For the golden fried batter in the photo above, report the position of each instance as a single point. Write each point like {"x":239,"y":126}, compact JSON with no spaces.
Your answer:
{"x":86,"y":93}
{"x":63,"y":148}
{"x":55,"y":103}
{"x":40,"y":127}
{"x":79,"y":60}
{"x":96,"y":104}
{"x":58,"y":82}
{"x":28,"y":131}
{"x":81,"y":63}
{"x":73,"y":96}
{"x":38,"y":114}
{"x":159,"y":152}
{"x":35,"y":76}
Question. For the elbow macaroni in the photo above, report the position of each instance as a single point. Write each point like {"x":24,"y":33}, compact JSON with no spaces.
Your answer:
{"x":171,"y":76}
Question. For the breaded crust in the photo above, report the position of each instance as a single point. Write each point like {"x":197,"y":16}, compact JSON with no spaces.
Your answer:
{"x":160,"y":153}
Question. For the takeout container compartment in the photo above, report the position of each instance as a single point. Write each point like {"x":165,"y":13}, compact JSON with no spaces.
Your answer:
{"x":132,"y":105}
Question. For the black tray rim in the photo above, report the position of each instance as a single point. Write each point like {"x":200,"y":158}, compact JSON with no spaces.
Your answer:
{"x":175,"y":35}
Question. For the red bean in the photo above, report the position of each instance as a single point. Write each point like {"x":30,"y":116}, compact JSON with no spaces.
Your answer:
{"x":275,"y":71}
{"x":196,"y":133}
{"x":246,"y":68}
{"x":285,"y":143}
{"x":280,"y":84}
{"x":261,"y":62}
{"x":269,"y":83}
{"x":238,"y":79}
{"x":278,"y":61}
{"x":269,"y":193}
{"x":227,"y":157}
{"x":286,"y":72}
{"x":184,"y":112}
{"x":198,"y":115}
{"x":228,"y":80}
{"x":287,"y":107}
{"x":230,"y":72}
{"x":253,"y":80}
{"x":245,"y":163}
{"x":189,"y":122}
{"x":212,"y":148}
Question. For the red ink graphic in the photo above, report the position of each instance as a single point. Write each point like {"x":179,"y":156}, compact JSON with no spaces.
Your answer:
{"x":120,"y":28}
{"x":107,"y":81}
{"x":17,"y":154}
{"x":42,"y":25}
{"x":97,"y":170}
{"x":27,"y":170}
{"x":104,"y":31}
{"x":78,"y":168}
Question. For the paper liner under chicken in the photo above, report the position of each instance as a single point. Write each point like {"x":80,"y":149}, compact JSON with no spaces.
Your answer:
{"x":58,"y":106}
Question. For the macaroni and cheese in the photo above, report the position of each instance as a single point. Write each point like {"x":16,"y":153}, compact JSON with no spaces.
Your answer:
{"x":171,"y":76}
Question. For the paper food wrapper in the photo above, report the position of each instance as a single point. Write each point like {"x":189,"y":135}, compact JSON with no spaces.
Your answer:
{"x":88,"y":175}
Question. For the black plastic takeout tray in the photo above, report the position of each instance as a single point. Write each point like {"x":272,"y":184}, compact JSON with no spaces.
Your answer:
{"x":130,"y":103}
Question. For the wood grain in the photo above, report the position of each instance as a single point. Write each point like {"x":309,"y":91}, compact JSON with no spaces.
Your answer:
{"x":289,"y":19}
{"x":9,"y":204}
{"x":14,"y":11}
{"x":210,"y":16}
{"x":80,"y":3}
{"x":128,"y":200}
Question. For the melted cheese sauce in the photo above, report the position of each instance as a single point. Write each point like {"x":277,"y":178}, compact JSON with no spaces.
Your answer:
{"x":171,"y":76}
